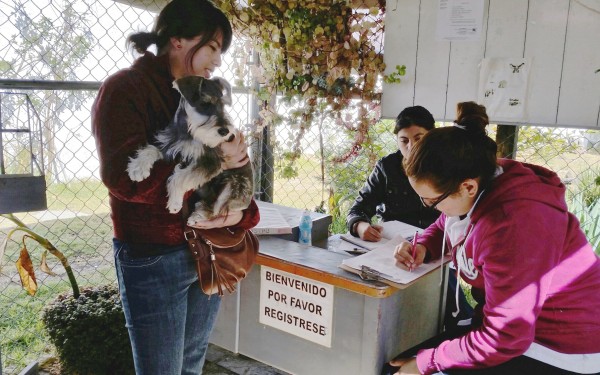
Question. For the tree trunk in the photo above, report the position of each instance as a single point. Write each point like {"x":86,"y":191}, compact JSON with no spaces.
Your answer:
{"x":506,"y":138}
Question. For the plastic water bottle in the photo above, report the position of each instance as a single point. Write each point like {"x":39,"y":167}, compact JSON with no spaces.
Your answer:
{"x":305,"y":229}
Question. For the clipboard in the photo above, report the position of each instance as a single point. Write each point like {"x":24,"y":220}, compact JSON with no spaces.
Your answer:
{"x":379,"y":265}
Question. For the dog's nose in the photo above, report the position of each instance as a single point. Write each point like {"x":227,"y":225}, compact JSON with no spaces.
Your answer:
{"x":223,"y":131}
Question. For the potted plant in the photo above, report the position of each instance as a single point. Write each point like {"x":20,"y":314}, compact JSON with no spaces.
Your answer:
{"x":87,"y":325}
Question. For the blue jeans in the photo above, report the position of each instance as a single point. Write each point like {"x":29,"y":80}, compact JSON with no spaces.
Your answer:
{"x":168,"y":317}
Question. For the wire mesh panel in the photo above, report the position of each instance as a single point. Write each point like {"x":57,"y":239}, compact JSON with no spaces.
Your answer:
{"x":53,"y":52}
{"x":21,"y":155}
{"x":58,"y":52}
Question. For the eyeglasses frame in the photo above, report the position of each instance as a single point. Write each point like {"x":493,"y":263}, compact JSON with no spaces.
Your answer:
{"x":437,"y":200}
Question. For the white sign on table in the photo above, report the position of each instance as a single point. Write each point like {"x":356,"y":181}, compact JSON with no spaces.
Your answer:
{"x":296,"y":305}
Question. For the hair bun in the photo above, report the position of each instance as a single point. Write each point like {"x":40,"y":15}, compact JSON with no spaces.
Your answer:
{"x":472,"y":117}
{"x":474,"y":124}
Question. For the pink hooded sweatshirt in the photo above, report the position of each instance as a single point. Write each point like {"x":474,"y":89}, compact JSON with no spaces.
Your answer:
{"x":530,"y":267}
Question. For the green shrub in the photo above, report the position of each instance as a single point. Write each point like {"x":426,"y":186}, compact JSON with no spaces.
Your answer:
{"x":350,"y":175}
{"x":89,"y":332}
{"x":589,"y":219}
{"x":589,"y":186}
{"x":583,"y":199}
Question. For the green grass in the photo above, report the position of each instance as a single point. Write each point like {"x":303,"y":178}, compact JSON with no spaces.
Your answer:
{"x":83,"y":196}
{"x":84,"y":236}
{"x":23,"y":336}
{"x":303,"y":191}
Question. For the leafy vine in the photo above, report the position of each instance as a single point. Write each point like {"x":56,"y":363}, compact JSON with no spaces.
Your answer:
{"x":319,"y":56}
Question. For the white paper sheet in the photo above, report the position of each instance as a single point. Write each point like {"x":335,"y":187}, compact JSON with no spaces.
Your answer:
{"x":459,"y":20}
{"x":382,"y":260}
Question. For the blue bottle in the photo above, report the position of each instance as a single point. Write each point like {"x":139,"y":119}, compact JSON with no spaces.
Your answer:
{"x":305,"y":229}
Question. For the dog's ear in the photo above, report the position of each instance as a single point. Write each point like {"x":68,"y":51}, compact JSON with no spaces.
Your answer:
{"x":225,"y":86}
{"x":189,"y":87}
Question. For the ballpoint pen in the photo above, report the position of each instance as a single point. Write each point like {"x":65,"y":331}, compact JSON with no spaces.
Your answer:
{"x":354,"y":242}
{"x":357,"y":251}
{"x":414,"y":248}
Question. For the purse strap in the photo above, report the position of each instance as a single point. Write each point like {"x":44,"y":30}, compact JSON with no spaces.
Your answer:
{"x":219,"y":237}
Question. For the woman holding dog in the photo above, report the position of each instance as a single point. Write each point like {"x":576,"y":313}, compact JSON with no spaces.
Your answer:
{"x":507,"y":227}
{"x":168,"y":317}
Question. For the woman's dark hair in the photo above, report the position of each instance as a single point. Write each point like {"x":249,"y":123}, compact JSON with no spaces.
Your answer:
{"x":447,"y":156}
{"x":185,"y":19}
{"x":416,"y":115}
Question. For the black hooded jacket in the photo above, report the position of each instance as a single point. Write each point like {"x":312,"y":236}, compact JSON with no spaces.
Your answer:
{"x":388,"y":194}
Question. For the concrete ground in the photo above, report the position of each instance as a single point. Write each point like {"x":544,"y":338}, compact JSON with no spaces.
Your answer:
{"x":218,"y":362}
{"x":222,"y":362}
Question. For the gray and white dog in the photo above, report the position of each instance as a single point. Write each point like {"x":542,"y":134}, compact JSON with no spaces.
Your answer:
{"x":193,"y":138}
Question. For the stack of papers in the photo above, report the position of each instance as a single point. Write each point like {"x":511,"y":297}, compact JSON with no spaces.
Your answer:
{"x":395,"y":228}
{"x":391,"y":229}
{"x":271,"y":221}
{"x":381,"y":264}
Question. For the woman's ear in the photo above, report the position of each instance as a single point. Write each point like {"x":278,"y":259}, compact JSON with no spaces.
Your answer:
{"x":175,"y":42}
{"x":471,"y":187}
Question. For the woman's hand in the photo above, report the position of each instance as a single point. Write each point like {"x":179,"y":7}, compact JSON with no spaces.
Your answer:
{"x":228,"y":220}
{"x":369,"y":232}
{"x":403,"y":255}
{"x":408,"y":366}
{"x":235,"y":153}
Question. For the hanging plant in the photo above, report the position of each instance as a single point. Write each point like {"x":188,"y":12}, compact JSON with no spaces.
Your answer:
{"x":318,"y":55}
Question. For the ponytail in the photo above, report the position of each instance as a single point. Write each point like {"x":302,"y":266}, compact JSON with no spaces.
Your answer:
{"x":141,"y":41}
{"x":184,"y":19}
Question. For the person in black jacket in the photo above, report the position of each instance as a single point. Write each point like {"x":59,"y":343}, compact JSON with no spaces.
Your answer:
{"x":388,"y":195}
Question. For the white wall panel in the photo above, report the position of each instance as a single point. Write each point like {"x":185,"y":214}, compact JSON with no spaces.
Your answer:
{"x":579,"y":100}
{"x":401,"y":30}
{"x":547,"y":21}
{"x":463,"y":71}
{"x":561,"y":37}
{"x":432,"y":63}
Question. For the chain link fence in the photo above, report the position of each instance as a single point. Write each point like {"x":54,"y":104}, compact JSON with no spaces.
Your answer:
{"x":56,"y":53}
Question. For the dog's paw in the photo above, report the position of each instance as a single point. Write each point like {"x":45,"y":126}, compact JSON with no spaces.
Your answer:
{"x":138,"y":170}
{"x":139,"y":166}
{"x":173,"y":207}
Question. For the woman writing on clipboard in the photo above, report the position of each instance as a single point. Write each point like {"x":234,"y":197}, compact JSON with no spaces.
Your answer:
{"x":507,"y":227}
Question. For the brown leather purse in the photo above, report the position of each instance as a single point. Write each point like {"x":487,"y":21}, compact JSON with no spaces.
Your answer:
{"x":223,"y":256}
